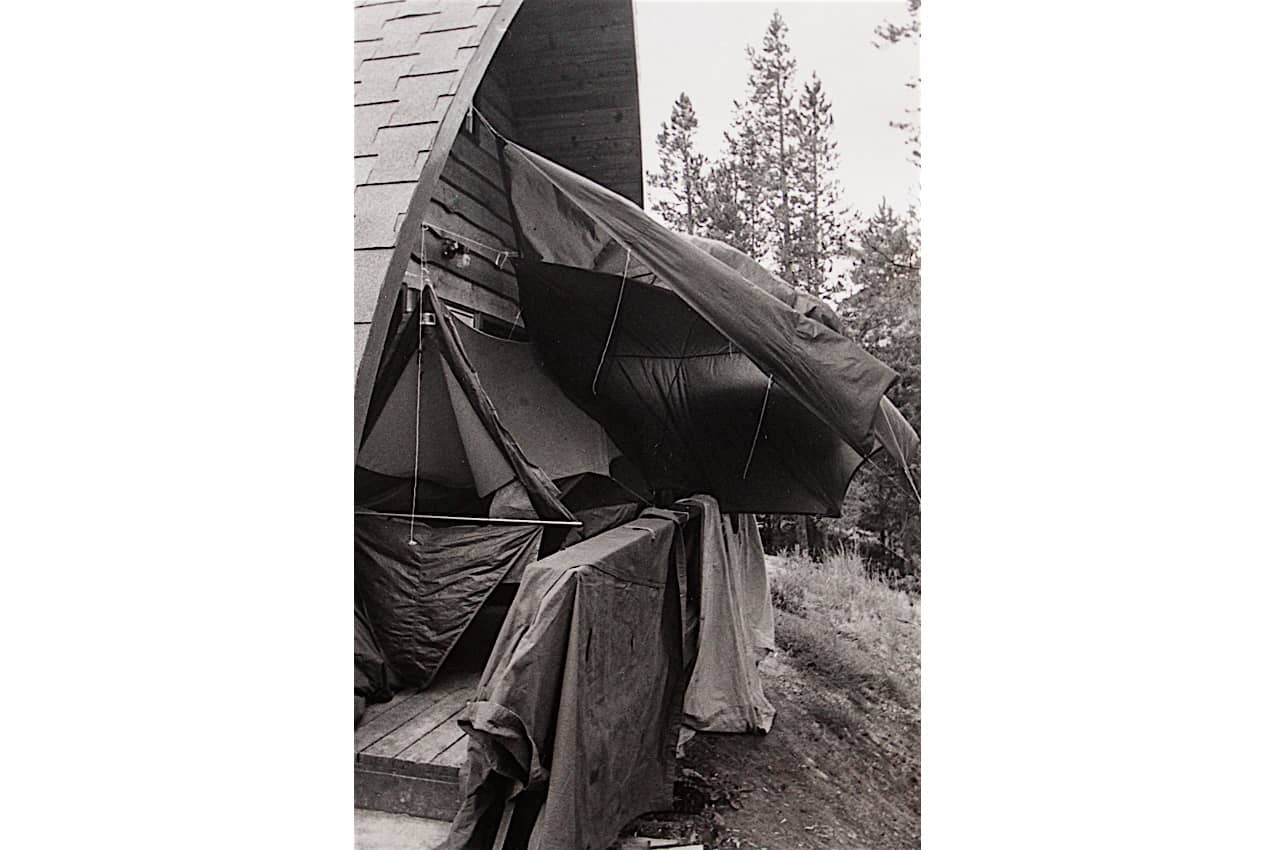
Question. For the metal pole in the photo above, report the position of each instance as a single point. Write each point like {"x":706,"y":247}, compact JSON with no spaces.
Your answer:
{"x":481,"y":520}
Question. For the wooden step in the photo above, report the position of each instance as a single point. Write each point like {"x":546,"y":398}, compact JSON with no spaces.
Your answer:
{"x":408,"y":751}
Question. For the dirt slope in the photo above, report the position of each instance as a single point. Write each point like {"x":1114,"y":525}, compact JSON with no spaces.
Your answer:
{"x":841,"y":766}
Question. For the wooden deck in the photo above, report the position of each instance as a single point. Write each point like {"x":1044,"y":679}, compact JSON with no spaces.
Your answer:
{"x":408,"y":752}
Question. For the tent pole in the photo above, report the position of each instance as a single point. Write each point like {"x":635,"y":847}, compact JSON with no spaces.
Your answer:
{"x":475,"y":519}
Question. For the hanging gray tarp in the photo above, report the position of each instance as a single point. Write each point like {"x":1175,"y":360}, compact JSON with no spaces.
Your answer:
{"x":889,"y":427}
{"x":555,"y":435}
{"x":758,"y":275}
{"x":575,"y":715}
{"x":431,"y":418}
{"x":737,"y":627}
{"x":373,"y":678}
{"x":566,"y":219}
{"x":574,"y":233}
{"x":422,"y":584}
{"x":691,"y":410}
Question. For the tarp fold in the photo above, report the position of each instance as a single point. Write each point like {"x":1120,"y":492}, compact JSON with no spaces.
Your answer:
{"x":422,"y":587}
{"x":737,"y":628}
{"x":575,"y":716}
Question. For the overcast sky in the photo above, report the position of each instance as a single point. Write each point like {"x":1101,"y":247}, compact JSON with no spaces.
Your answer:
{"x":698,"y":47}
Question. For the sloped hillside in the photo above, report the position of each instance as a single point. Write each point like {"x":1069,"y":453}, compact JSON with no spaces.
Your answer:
{"x":841,"y":768}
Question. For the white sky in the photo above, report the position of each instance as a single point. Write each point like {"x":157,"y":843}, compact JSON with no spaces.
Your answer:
{"x":698,"y":46}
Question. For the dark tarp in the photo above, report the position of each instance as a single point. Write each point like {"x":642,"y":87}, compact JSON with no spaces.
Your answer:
{"x":600,"y":502}
{"x":463,"y":444}
{"x":373,"y":678}
{"x":565,"y":219}
{"x":737,"y":627}
{"x":576,"y":712}
{"x":758,"y":275}
{"x":554,"y":433}
{"x":889,"y":427}
{"x":421,"y":592}
{"x":680,"y":400}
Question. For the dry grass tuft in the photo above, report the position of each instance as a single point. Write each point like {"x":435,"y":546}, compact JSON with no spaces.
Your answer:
{"x":856,"y":631}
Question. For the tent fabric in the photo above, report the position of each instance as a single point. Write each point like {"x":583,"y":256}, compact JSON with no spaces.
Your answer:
{"x":540,"y":490}
{"x":554,"y":433}
{"x":565,"y":219}
{"x":445,"y":427}
{"x":443,"y":456}
{"x":737,"y":628}
{"x":896,"y":436}
{"x":373,"y":678}
{"x":745,"y":552}
{"x":575,"y":717}
{"x":689,"y":408}
{"x":420,"y":591}
{"x":758,"y":275}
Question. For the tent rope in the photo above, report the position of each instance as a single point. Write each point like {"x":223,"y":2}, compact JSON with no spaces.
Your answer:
{"x":619,"y":299}
{"x":890,"y":478}
{"x":416,"y":443}
{"x":898,"y":445}
{"x":770,"y":379}
{"x":474,"y":109}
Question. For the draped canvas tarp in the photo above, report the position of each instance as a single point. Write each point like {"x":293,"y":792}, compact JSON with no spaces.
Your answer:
{"x":684,"y":404}
{"x":575,"y":715}
{"x":737,"y":627}
{"x":758,"y":275}
{"x":889,"y":427}
{"x":554,"y":433}
{"x":421,"y":584}
{"x":575,"y":235}
{"x":430,"y":417}
{"x":373,"y":678}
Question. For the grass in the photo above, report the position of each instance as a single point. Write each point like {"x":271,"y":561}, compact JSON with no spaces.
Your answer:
{"x":856,"y":631}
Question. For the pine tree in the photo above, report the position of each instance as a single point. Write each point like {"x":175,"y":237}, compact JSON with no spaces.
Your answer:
{"x":892,"y":33}
{"x":737,"y":190}
{"x":770,"y":112}
{"x":884,"y":314}
{"x":723,"y":219}
{"x":681,"y":169}
{"x":816,"y":199}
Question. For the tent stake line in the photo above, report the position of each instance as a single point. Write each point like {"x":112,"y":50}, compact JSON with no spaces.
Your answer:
{"x":476,"y":519}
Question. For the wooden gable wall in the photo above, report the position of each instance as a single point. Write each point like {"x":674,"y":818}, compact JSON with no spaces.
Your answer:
{"x":558,"y":76}
{"x":469,"y":201}
{"x":563,"y":83}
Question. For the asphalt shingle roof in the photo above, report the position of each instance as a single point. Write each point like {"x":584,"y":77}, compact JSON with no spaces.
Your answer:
{"x":410,"y":57}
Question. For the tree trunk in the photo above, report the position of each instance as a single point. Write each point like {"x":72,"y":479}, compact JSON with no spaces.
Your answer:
{"x":814,"y":538}
{"x":785,"y":254}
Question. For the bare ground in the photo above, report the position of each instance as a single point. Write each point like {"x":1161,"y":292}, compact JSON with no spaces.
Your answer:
{"x":841,"y":767}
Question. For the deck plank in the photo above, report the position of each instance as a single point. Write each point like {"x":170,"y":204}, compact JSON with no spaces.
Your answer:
{"x":454,"y":756}
{"x":430,"y":746}
{"x":398,"y":713}
{"x":419,"y":725}
{"x":376,"y":709}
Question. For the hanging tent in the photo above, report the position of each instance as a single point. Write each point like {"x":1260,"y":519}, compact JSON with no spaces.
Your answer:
{"x":690,"y":409}
{"x":437,"y":435}
{"x":710,"y":374}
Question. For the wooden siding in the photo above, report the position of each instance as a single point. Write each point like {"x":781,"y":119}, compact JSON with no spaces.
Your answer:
{"x":413,"y":59}
{"x":572,"y":84}
{"x":559,"y":76}
{"x":469,"y":202}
